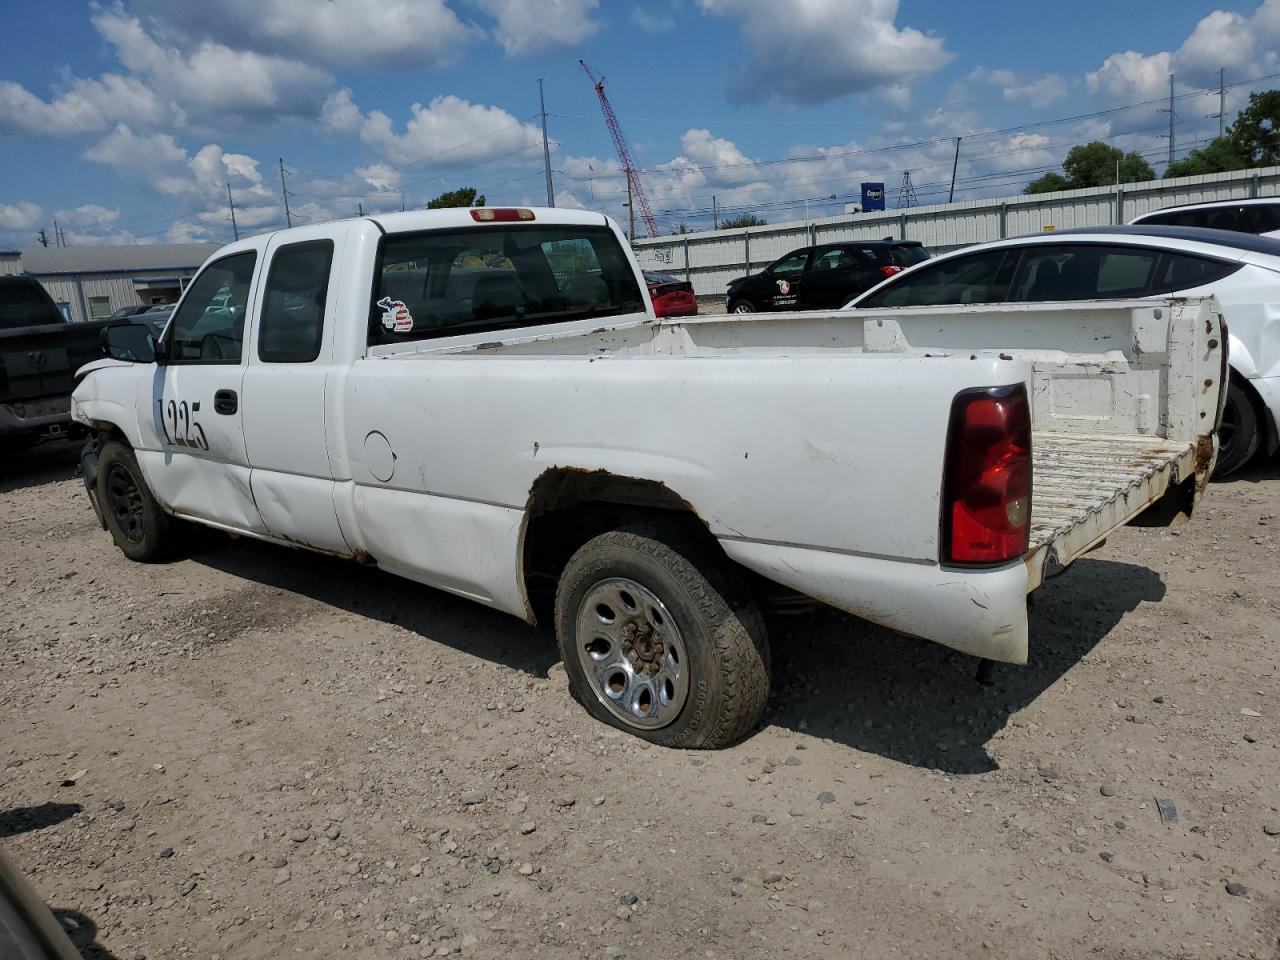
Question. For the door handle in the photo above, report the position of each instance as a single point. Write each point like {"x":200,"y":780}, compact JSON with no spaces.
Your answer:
{"x":225,"y":402}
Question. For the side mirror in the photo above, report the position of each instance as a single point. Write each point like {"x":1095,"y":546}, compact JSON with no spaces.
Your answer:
{"x":131,"y":342}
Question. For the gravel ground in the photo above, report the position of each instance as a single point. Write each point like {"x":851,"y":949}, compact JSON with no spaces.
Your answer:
{"x":254,"y":752}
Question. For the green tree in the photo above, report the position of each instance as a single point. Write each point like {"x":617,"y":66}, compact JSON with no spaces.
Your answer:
{"x":1050,"y":182}
{"x":1256,"y":129}
{"x":1094,"y":165}
{"x":746,"y":220}
{"x":462,"y":197}
{"x":1217,"y":156}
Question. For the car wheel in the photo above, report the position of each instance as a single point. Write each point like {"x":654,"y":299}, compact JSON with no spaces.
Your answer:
{"x":138,"y":525}
{"x":742,"y":306}
{"x":660,"y":637}
{"x":1238,"y":433}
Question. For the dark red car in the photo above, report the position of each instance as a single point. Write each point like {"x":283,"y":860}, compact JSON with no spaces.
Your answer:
{"x":672,"y":297}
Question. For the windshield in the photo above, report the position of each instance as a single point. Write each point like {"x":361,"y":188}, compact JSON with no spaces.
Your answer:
{"x":25,"y":304}
{"x":449,"y":282}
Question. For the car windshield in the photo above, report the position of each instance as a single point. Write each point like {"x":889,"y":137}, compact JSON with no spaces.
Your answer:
{"x":25,"y":304}
{"x":447,"y":282}
{"x":652,"y":276}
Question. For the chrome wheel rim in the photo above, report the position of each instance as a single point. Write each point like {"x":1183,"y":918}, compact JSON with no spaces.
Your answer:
{"x":632,"y":653}
{"x":742,"y":308}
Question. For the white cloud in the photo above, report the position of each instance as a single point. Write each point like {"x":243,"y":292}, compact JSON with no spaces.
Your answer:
{"x":335,"y":33}
{"x":449,"y":131}
{"x":525,"y":27}
{"x":812,"y":51}
{"x":22,"y":215}
{"x":212,"y":77}
{"x":379,"y":176}
{"x":1130,"y":76}
{"x":85,"y":106}
{"x":651,"y":22}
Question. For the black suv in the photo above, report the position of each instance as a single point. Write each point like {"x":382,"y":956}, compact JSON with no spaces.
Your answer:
{"x":826,"y":276}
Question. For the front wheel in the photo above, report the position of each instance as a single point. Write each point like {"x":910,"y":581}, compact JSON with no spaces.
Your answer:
{"x":138,"y":525}
{"x":1238,"y":433}
{"x":660,"y":637}
{"x":742,"y":306}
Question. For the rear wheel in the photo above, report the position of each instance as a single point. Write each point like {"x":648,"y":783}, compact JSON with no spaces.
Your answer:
{"x":660,"y":637}
{"x":1239,"y":435}
{"x":139,"y":527}
{"x":742,"y":306}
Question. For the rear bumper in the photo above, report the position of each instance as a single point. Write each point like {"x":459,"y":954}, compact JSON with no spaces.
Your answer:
{"x":979,"y":612}
{"x":47,"y":417}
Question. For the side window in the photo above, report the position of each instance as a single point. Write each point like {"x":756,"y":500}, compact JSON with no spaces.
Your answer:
{"x":1123,"y":273}
{"x":977,"y":278}
{"x":293,"y":303}
{"x":790,"y":265}
{"x":1182,"y":271}
{"x":209,"y":325}
{"x":1264,"y":217}
{"x":1221,"y":218}
{"x":1163,"y":219}
{"x":832,"y":260}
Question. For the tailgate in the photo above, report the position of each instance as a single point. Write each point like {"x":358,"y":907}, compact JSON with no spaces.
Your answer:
{"x":1125,"y":395}
{"x":41,"y":361}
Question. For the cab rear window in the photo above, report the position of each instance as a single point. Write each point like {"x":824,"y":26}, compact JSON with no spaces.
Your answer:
{"x":449,"y":282}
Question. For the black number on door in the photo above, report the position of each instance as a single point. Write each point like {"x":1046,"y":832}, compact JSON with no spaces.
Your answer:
{"x":176,"y":422}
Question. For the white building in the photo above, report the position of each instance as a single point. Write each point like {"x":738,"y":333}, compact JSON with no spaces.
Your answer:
{"x":93,"y":282}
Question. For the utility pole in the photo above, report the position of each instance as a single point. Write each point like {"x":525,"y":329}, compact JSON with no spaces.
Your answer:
{"x":631,"y":211}
{"x":232,"y":204}
{"x":546,"y":148}
{"x":1222,"y":100}
{"x":360,"y":207}
{"x":284,"y":192}
{"x":715,"y":213}
{"x":43,"y":238}
{"x":1171,"y":117}
{"x":58,"y":241}
{"x":954,"y":164}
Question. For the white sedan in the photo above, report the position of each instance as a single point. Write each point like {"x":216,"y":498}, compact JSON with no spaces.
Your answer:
{"x":1108,"y":263}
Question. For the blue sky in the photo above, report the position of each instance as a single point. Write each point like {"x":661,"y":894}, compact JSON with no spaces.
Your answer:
{"x":125,"y":121}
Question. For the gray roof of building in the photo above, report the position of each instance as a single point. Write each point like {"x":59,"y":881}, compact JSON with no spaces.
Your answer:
{"x":116,"y":259}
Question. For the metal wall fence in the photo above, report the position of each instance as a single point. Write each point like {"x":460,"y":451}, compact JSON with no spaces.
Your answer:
{"x":711,"y":259}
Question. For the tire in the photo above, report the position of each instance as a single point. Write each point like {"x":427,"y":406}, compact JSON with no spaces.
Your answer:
{"x":139,"y":527}
{"x":686,"y":664}
{"x":742,"y":306}
{"x":1239,"y":435}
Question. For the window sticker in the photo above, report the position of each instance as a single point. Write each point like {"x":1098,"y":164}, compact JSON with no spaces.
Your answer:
{"x":395,"y":315}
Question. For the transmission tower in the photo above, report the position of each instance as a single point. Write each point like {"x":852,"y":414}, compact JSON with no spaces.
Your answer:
{"x":907,"y":193}
{"x":639,"y":199}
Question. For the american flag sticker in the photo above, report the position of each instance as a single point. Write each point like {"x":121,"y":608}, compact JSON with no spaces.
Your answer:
{"x":395,"y":315}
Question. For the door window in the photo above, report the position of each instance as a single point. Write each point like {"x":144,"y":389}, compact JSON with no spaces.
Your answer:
{"x":1264,"y":217}
{"x":1083,"y":272}
{"x":293,"y":303}
{"x":209,"y":325}
{"x":838,"y":258}
{"x":976,"y":278}
{"x":790,"y":265}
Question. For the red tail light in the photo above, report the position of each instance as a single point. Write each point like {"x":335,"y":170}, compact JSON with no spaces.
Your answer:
{"x":889,"y":269}
{"x":492,"y":214}
{"x":986,"y":499}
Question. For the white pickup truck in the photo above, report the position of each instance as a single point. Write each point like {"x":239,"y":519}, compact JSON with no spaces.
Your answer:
{"x":482,"y":401}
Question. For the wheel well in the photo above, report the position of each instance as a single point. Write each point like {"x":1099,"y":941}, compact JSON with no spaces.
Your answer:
{"x":568,"y":507}
{"x":1266,"y":419}
{"x":109,"y":431}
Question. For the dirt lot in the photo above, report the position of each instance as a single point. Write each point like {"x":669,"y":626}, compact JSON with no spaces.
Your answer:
{"x":260,"y":753}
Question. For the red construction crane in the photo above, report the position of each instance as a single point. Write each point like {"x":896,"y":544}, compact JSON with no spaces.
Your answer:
{"x":638,"y":198}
